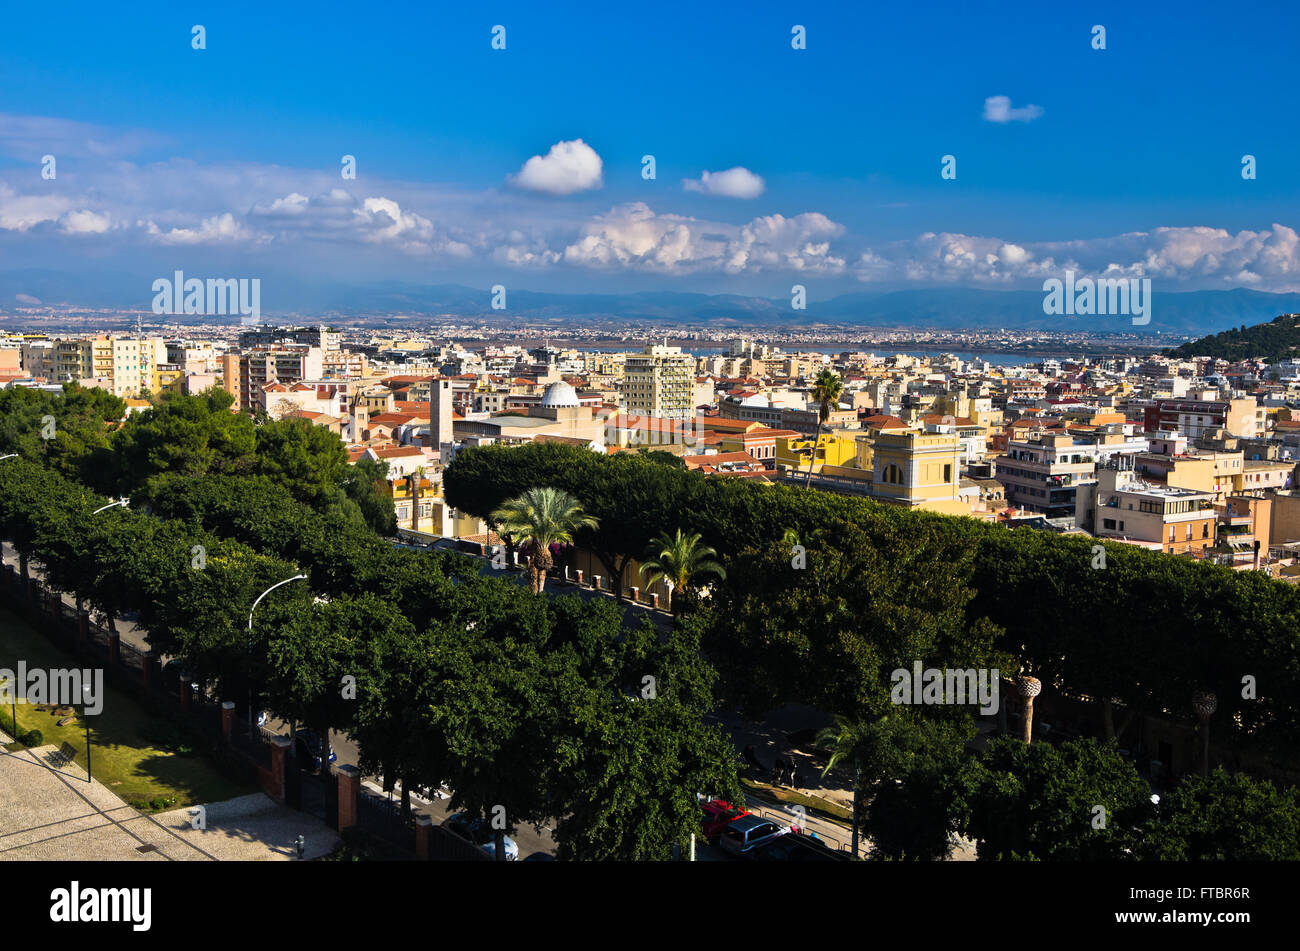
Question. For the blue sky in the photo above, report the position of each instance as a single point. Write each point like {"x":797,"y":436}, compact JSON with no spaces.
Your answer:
{"x":1126,"y":160}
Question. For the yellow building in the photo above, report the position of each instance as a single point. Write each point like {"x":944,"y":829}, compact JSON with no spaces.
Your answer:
{"x":917,"y":469}
{"x":167,"y":378}
{"x":904,"y":467}
{"x":434,"y":516}
{"x":832,"y":449}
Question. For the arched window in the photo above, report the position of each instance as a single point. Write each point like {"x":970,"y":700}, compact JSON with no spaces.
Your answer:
{"x":892,"y":474}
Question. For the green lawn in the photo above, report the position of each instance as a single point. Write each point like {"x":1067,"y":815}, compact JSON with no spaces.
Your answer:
{"x":140,"y":757}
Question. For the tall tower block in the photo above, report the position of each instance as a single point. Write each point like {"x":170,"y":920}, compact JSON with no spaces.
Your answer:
{"x":440,"y":414}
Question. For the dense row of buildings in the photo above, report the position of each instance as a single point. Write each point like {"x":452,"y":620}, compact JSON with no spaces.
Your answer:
{"x":1195,"y":458}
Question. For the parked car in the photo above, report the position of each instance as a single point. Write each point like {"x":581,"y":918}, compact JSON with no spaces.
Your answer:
{"x":796,"y":848}
{"x":741,"y":836}
{"x":479,"y":831}
{"x":718,"y":815}
{"x":308,"y":747}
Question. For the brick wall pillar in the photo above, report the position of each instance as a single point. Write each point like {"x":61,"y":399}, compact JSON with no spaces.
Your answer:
{"x":636,"y":593}
{"x":114,"y":647}
{"x":152,"y":671}
{"x":279,"y":752}
{"x":423,"y":834}
{"x":349,"y":795}
{"x":227,"y":719}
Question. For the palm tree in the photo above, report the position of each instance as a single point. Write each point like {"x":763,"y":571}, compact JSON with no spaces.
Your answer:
{"x":679,"y":561}
{"x":826,"y":390}
{"x":542,"y":517}
{"x":856,"y":742}
{"x":413,"y":487}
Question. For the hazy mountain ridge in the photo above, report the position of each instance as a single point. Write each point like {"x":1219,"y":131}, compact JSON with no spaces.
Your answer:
{"x":1203,"y":312}
{"x":1275,"y":340}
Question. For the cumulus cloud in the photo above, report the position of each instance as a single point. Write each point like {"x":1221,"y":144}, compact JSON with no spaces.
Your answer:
{"x":84,"y":222}
{"x":733,"y":183}
{"x":217,"y":229}
{"x":633,"y":236}
{"x":999,"y":109}
{"x":22,"y":212}
{"x":308,"y":216}
{"x":567,"y":168}
{"x":1197,"y":256}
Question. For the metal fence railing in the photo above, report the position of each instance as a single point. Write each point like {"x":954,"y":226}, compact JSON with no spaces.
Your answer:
{"x":383,"y":818}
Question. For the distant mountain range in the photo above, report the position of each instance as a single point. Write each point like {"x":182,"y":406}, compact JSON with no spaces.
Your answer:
{"x":1186,"y":313}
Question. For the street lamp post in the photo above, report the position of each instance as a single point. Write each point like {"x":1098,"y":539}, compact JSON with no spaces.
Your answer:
{"x":85,"y":689}
{"x":13,"y":701}
{"x":12,"y":455}
{"x":249,"y":644}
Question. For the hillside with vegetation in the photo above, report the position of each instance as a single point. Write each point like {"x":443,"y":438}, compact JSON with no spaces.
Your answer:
{"x":1276,"y":340}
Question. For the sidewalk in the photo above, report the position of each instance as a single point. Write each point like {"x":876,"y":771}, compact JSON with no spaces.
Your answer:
{"x":48,"y":811}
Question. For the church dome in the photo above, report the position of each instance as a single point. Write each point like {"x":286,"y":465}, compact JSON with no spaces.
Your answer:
{"x":560,"y":395}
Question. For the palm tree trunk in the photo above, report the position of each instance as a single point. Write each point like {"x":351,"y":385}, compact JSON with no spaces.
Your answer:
{"x":415,"y":505}
{"x":812,"y":456}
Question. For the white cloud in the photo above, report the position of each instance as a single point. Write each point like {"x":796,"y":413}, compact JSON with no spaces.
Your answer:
{"x":21,"y":212}
{"x":304,"y":218}
{"x":1194,"y":256}
{"x":217,"y":229}
{"x":29,"y":137}
{"x":733,"y":183}
{"x":85,"y":222}
{"x":999,"y":109}
{"x":567,"y":168}
{"x":633,"y":236}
